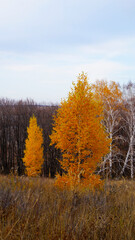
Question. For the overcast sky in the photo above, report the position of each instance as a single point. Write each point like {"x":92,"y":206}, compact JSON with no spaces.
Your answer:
{"x":45,"y":44}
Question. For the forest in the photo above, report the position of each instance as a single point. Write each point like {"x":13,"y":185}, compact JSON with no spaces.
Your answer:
{"x":67,"y":171}
{"x":119,"y":122}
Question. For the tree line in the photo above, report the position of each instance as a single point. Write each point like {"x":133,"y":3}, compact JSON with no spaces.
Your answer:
{"x":119,"y":122}
{"x":14,"y":120}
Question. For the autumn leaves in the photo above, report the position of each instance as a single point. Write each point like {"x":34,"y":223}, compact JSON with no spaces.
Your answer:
{"x":33,"y":158}
{"x":78,"y":132}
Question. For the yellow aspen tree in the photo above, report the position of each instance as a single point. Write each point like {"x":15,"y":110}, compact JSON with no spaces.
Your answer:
{"x":33,"y":153}
{"x":78,"y":132}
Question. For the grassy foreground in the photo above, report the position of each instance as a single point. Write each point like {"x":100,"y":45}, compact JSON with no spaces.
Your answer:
{"x":33,"y":209}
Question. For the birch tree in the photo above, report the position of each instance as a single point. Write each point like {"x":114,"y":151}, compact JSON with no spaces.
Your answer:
{"x":111,"y":96}
{"x":129,"y":126}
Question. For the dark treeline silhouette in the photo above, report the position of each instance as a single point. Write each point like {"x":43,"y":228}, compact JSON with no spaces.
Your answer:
{"x":14,"y":120}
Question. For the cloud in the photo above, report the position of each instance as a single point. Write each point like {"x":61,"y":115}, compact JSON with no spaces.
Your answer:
{"x":111,"y":48}
{"x":48,"y":25}
{"x":21,"y":67}
{"x":105,"y":69}
{"x":103,"y":58}
{"x":49,"y":76}
{"x":67,"y":67}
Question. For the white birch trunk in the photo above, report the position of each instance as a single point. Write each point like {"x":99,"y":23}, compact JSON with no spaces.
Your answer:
{"x":132,"y":163}
{"x":126,"y":160}
{"x":110,"y":157}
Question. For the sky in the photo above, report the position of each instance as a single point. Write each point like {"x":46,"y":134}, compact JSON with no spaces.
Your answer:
{"x":45,"y":44}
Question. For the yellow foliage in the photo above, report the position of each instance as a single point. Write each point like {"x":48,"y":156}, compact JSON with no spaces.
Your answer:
{"x":78,"y":132}
{"x":109,"y":93}
{"x":33,"y":158}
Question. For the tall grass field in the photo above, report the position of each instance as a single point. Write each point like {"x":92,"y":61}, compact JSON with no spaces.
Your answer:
{"x":34,"y":209}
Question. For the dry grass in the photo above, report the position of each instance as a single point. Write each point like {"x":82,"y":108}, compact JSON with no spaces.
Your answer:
{"x":33,"y":209}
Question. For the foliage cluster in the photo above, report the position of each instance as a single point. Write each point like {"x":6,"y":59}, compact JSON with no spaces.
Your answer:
{"x":79,"y":133}
{"x":33,"y":158}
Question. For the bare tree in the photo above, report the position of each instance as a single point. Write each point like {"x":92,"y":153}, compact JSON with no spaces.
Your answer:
{"x":129,"y":120}
{"x":111,"y":96}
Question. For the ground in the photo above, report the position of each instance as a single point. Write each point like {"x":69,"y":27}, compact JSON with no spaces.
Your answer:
{"x":33,"y":208}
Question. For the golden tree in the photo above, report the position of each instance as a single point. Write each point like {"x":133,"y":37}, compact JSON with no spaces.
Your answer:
{"x":33,"y":158}
{"x":111,"y":96}
{"x":78,"y":132}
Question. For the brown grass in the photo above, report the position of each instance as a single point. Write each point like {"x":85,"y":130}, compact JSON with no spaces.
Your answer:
{"x":34,"y":209}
